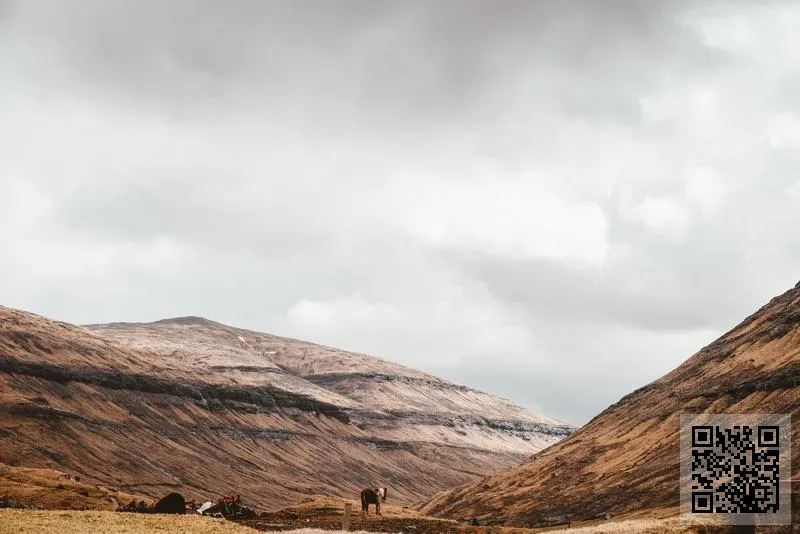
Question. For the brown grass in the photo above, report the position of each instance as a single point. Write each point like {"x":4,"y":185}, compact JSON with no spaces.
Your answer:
{"x":319,"y":502}
{"x":324,"y":515}
{"x":92,"y":522}
{"x":49,"y":489}
{"x":96,"y":522}
{"x":639,"y":526}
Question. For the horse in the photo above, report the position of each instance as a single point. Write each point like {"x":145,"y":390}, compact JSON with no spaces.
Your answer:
{"x":372,"y":496}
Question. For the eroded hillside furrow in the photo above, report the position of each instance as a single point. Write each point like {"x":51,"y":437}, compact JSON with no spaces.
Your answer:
{"x":332,"y":379}
{"x":212,"y":396}
{"x":162,"y":443}
{"x":512,"y":427}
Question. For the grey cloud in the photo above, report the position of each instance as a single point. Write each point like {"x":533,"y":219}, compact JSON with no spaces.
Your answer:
{"x":395,"y":59}
{"x":548,"y":288}
{"x":711,"y":279}
{"x":266,"y":163}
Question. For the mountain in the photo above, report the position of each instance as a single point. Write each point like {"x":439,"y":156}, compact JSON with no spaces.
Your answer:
{"x":192,"y":405}
{"x":627,"y":458}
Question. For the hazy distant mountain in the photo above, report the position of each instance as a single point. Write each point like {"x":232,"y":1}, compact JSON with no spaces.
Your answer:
{"x":208,"y":409}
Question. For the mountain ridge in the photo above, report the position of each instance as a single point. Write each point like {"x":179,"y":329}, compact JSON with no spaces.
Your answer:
{"x":209,"y":409}
{"x":626,"y":458}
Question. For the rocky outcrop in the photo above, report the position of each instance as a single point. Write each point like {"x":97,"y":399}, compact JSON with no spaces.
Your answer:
{"x":201,"y":408}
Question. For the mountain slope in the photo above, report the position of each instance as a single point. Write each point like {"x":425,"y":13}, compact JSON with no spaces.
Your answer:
{"x":205,"y":408}
{"x":626,"y":458}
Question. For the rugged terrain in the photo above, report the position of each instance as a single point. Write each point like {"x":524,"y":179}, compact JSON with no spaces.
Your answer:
{"x":192,"y":405}
{"x":627,"y":457}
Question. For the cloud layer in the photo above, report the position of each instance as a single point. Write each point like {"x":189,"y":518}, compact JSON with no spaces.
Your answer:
{"x":551,"y":201}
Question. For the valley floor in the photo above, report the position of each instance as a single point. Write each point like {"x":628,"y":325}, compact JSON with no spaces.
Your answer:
{"x":319,"y":515}
{"x":94,"y":522}
{"x":97,"y":522}
{"x":88,"y":512}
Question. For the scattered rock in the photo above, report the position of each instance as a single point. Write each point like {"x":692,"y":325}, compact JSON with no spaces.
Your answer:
{"x":230,"y":508}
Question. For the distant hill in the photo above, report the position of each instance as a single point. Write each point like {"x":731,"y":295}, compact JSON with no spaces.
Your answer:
{"x":207,"y":409}
{"x":626,"y":458}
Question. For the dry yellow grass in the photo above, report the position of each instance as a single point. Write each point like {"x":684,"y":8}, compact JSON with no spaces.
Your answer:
{"x":639,"y":526}
{"x":320,"y":531}
{"x":92,"y":522}
{"x":49,"y":489}
{"x":316,"y":502}
{"x":658,"y":521}
{"x":96,"y":522}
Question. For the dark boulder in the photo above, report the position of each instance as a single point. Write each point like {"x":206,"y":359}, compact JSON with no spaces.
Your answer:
{"x":174,"y":503}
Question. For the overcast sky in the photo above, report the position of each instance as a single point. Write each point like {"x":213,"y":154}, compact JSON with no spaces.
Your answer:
{"x":552,"y":201}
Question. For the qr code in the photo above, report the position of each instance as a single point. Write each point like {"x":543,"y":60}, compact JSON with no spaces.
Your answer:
{"x":736,"y":464}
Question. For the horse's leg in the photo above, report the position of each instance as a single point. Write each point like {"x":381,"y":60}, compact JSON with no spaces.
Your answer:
{"x":378,"y":507}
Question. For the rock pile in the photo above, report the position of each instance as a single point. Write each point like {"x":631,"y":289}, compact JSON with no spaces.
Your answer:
{"x":227,"y":507}
{"x":174,"y":503}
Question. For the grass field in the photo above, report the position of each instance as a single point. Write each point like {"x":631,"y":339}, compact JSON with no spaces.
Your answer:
{"x":626,"y":527}
{"x":49,"y":489}
{"x":91,"y":522}
{"x":644,"y":526}
{"x":639,"y":526}
{"x":101,"y":522}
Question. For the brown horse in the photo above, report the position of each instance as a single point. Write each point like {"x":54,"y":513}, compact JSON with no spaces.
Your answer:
{"x":372,"y":496}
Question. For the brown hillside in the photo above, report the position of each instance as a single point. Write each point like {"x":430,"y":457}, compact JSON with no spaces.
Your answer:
{"x":626,"y":458}
{"x":48,"y":488}
{"x":199,"y":407}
